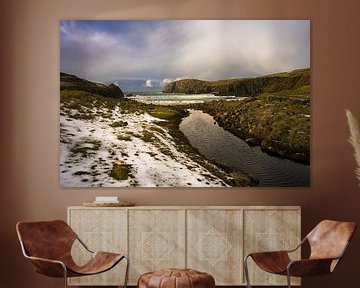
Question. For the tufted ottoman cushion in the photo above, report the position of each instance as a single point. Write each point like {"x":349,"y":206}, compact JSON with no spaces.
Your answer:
{"x":176,"y":278}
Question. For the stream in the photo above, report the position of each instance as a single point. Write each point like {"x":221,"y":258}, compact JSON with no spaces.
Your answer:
{"x":217,"y":144}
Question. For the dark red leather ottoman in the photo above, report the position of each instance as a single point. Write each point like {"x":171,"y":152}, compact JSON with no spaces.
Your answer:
{"x":176,"y":278}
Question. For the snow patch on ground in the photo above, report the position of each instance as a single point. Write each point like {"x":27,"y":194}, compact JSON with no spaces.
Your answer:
{"x":90,"y":148}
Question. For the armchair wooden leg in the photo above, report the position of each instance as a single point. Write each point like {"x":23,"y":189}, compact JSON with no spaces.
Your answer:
{"x":246,"y":270}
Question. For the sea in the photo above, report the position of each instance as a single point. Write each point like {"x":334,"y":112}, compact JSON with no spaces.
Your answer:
{"x":159,"y":98}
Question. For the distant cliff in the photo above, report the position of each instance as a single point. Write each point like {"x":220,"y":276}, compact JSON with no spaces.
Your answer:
{"x":72,"y":82}
{"x":243,"y":87}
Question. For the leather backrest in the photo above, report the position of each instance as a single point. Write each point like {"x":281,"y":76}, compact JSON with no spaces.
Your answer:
{"x":329,"y":238}
{"x":46,"y":239}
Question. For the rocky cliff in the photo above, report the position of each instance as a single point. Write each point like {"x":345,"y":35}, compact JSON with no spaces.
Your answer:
{"x":72,"y":82}
{"x":243,"y":87}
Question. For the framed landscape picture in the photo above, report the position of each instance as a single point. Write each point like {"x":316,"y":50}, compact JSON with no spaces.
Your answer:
{"x":184,"y":103}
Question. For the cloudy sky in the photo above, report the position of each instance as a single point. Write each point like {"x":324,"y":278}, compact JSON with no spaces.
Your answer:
{"x":151,"y":53}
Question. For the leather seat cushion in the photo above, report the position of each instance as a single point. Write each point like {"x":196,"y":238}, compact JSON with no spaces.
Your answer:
{"x":176,"y":278}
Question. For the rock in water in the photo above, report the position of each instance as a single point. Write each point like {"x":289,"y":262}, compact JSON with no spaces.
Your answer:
{"x":252,"y":142}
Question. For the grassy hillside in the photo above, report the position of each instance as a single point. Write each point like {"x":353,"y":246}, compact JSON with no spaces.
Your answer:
{"x":244,"y":87}
{"x":278,"y":122}
{"x":72,"y":82}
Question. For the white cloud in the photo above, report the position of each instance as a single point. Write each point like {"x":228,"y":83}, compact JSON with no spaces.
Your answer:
{"x":169,"y":80}
{"x":148,"y":83}
{"x":223,"y":49}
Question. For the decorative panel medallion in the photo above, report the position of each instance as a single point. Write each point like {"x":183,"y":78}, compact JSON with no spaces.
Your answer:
{"x":156,"y":246}
{"x":270,"y":230}
{"x":269,"y":241}
{"x":213,"y":244}
{"x":156,"y":241}
{"x":100,"y":230}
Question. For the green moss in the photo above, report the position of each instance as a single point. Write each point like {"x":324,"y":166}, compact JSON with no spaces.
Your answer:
{"x":84,"y":151}
{"x":164,"y":113}
{"x":96,"y":144}
{"x":86,"y":148}
{"x":173,"y":114}
{"x":152,"y":154}
{"x":122,"y":137}
{"x":157,"y":129}
{"x":118,"y":124}
{"x":83,"y":116}
{"x":148,"y":137}
{"x":120,"y":172}
{"x":166,"y":151}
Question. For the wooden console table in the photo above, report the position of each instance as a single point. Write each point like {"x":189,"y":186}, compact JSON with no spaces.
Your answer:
{"x":211,"y":239}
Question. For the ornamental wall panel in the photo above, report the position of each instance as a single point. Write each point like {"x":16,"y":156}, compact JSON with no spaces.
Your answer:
{"x":100,"y":230}
{"x":157,"y":240}
{"x":214,"y":241}
{"x":271,"y":230}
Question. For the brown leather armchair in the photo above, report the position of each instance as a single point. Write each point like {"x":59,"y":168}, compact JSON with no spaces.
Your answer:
{"x":328,"y":242}
{"x":48,"y":245}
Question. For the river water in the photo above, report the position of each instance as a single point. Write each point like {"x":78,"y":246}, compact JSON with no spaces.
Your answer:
{"x":220,"y":145}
